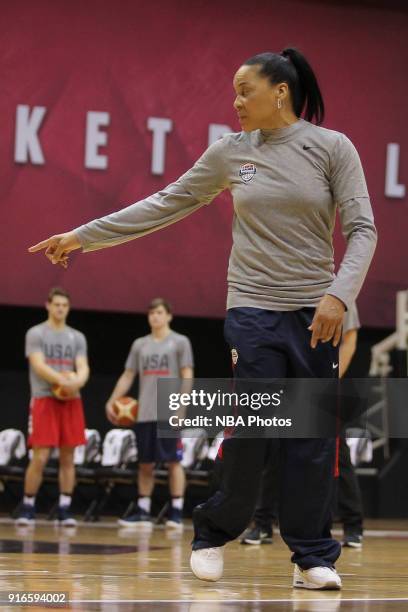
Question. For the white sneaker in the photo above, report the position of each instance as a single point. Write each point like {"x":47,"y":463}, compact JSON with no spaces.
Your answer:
{"x":208,"y":563}
{"x":316,"y":578}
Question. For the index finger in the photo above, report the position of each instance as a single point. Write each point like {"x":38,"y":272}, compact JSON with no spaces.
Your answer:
{"x":40,"y":245}
{"x":316,"y":333}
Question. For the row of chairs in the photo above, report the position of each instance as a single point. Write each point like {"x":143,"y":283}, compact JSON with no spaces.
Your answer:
{"x":108,"y":463}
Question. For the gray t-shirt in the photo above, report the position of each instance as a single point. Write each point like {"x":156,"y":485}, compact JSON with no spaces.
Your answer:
{"x":60,"y":349}
{"x":153,"y":359}
{"x":351,"y":319}
{"x":286,"y":185}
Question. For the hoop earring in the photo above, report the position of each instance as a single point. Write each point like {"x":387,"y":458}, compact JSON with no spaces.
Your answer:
{"x":279,"y":103}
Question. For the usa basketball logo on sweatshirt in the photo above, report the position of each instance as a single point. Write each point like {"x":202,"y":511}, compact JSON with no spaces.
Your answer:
{"x":247,"y":172}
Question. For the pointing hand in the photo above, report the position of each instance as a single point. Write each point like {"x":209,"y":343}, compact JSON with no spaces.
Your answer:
{"x":57,"y":247}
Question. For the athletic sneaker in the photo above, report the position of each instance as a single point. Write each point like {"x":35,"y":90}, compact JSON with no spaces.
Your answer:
{"x":26,"y":515}
{"x":257,"y":535}
{"x":353,"y":539}
{"x":208,"y":563}
{"x":140,"y":518}
{"x":65,"y":518}
{"x":316,"y":578}
{"x":174,"y":519}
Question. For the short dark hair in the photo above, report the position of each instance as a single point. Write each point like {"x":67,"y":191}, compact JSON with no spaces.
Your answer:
{"x":291,"y":67}
{"x":160,"y":302}
{"x":58,"y":291}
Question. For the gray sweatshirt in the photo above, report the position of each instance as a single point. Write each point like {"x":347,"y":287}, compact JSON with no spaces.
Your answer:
{"x":285,"y":184}
{"x":351,"y":319}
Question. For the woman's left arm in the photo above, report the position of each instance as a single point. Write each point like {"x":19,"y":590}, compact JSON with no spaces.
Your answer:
{"x":350,"y":193}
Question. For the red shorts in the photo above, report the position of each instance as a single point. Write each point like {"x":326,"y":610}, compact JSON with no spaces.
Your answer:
{"x":56,"y":423}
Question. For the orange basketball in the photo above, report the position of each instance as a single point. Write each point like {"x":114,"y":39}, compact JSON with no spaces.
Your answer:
{"x":59,"y":391}
{"x":125,"y":409}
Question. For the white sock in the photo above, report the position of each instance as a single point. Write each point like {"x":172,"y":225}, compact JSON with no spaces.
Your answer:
{"x":177,"y":502}
{"x":144,"y":503}
{"x":64,"y":500}
{"x":29,"y":500}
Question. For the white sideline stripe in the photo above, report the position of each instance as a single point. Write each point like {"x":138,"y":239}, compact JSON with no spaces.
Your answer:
{"x":374,"y":533}
{"x":379,"y":533}
{"x":98,"y":525}
{"x":227,"y":601}
{"x":26,"y":572}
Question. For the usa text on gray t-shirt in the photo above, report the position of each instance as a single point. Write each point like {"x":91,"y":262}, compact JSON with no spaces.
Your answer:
{"x":153,"y":359}
{"x":60,"y":349}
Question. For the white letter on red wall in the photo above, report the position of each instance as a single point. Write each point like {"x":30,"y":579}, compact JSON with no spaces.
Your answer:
{"x":392,"y":188}
{"x":216,"y":131}
{"x":94,"y":139}
{"x":27,"y":146}
{"x":159,"y":127}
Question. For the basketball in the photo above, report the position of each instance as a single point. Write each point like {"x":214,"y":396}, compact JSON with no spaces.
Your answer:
{"x":59,"y":391}
{"x":125,"y":409}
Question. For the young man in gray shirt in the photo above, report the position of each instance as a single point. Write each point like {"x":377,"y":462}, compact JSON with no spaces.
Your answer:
{"x":162,"y":353}
{"x":54,"y":349}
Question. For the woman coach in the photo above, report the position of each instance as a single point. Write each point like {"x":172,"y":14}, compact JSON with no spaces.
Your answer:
{"x":285,"y":306}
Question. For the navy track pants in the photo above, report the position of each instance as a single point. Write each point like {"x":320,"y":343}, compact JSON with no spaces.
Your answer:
{"x":272,"y":344}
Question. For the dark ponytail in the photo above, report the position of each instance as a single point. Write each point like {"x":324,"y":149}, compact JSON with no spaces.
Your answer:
{"x":291,"y":67}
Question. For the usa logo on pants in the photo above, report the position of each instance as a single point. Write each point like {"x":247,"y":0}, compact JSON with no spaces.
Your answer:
{"x":247,"y":172}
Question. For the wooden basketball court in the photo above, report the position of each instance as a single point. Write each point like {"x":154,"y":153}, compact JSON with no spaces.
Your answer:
{"x":103,"y":567}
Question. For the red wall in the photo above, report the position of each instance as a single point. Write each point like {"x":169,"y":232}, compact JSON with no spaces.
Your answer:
{"x":175,"y":59}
